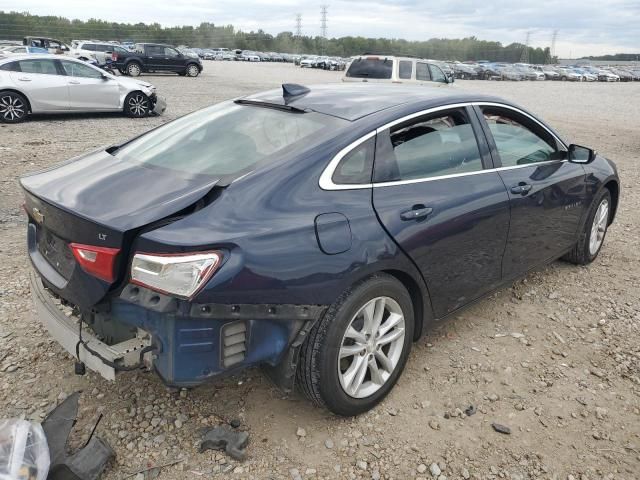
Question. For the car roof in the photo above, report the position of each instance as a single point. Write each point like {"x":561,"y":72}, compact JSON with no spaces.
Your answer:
{"x":37,"y":56}
{"x":352,"y":101}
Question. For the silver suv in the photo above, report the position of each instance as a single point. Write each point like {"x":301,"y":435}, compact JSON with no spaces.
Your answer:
{"x":390,"y":69}
{"x":98,"y":51}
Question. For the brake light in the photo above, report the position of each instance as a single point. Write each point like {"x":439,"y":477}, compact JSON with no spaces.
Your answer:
{"x":97,"y":261}
{"x":114,"y":57}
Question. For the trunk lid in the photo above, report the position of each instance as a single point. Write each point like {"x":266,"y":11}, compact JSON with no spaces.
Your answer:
{"x":103,"y":201}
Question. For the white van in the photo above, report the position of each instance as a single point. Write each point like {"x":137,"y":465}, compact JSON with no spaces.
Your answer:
{"x":390,"y":69}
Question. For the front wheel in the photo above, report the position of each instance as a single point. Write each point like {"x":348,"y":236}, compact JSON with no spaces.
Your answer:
{"x":13,"y":107}
{"x":356,"y":352}
{"x":192,"y":71}
{"x":594,"y":231}
{"x":137,"y":105}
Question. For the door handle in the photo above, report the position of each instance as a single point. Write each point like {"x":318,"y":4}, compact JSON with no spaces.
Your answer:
{"x":74,"y":82}
{"x":521,"y":189}
{"x":417,"y":212}
{"x":24,"y":79}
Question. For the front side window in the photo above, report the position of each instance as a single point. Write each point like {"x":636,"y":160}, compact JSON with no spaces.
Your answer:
{"x":422,"y":72}
{"x":519,"y":141}
{"x":405,"y":69}
{"x":437,"y":74}
{"x":171,"y":52}
{"x":371,"y":67}
{"x":356,"y":166}
{"x":46,"y":67}
{"x":432,"y":146}
{"x":228,"y":139}
{"x":74,"y":69}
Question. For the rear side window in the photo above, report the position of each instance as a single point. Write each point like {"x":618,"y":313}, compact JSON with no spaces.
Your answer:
{"x":422,"y":72}
{"x":355,"y":167}
{"x":228,"y":139}
{"x":104,"y":48}
{"x":432,"y":146}
{"x":405,"y":69}
{"x":47,"y":67}
{"x":89,"y":47}
{"x":11,"y":67}
{"x":154,"y":50}
{"x":371,"y":67}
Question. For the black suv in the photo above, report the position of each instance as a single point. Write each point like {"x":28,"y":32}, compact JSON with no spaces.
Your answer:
{"x":156,"y":57}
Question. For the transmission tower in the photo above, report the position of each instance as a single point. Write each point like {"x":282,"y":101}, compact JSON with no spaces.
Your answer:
{"x":323,"y":20}
{"x":323,"y":26}
{"x":552,"y":52}
{"x":524,"y":58}
{"x":298,"y":25}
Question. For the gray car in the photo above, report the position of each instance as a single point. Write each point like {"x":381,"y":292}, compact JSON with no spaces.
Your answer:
{"x":62,"y":84}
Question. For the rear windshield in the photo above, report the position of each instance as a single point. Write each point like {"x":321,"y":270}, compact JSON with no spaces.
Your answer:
{"x":228,"y":139}
{"x":380,"y":68}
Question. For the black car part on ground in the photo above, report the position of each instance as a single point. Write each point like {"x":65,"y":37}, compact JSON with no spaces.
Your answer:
{"x":89,"y":462}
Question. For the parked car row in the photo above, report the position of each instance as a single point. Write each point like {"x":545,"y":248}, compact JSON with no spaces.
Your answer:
{"x":46,"y":83}
{"x":322,"y":62}
{"x":484,"y":70}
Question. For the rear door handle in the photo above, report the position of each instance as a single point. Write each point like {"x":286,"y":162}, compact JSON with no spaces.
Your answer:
{"x":417,"y":212}
{"x":74,"y":82}
{"x":521,"y":189}
{"x":24,"y":79}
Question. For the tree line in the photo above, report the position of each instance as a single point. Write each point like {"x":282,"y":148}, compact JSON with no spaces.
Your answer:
{"x":16,"y":25}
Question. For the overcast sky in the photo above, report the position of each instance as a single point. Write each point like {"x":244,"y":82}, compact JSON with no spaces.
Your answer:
{"x":584,"y":27}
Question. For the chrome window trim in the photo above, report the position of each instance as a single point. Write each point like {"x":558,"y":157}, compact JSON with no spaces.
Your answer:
{"x":326,"y":178}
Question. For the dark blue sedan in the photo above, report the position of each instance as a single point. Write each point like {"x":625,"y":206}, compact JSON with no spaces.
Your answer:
{"x":315,"y":232}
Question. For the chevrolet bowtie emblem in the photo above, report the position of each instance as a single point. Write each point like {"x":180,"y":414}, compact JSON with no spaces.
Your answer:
{"x":37,"y":215}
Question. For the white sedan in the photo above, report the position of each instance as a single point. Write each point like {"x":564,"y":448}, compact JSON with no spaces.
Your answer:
{"x":61,"y":84}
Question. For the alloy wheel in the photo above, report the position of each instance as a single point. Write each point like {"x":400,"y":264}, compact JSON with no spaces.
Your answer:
{"x":12,"y":108}
{"x":139,"y":105}
{"x":599,"y":227}
{"x":371,"y":347}
{"x":192,"y":71}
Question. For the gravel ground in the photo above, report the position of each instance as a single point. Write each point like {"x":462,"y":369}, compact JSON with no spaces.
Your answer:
{"x":555,"y":357}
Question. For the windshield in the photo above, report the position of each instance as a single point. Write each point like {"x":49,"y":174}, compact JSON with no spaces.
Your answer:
{"x":227,"y":139}
{"x":371,"y":67}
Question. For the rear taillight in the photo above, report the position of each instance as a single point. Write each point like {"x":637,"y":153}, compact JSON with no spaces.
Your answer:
{"x":97,"y":261}
{"x":182,"y":275}
{"x":114,"y":57}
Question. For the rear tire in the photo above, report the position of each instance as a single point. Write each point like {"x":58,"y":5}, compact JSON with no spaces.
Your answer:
{"x":331,"y":359}
{"x":594,"y":231}
{"x":14,"y":107}
{"x":134,"y":69}
{"x":137,"y":105}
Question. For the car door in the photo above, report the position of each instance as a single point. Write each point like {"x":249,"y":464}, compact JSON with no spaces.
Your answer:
{"x":43,"y":84}
{"x":547,"y":194}
{"x":89,"y":88}
{"x":173,"y":60}
{"x":422,"y":72}
{"x":436,"y":193}
{"x":154,"y":57}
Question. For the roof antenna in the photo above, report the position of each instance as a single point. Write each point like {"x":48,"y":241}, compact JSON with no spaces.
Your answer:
{"x":292,"y":90}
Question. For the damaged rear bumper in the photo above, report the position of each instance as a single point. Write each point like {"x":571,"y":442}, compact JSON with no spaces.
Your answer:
{"x":65,"y":330}
{"x":192,"y":343}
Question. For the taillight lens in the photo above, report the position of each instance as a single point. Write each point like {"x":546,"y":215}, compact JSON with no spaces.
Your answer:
{"x":97,"y":261}
{"x":179,"y":275}
{"x":114,"y":57}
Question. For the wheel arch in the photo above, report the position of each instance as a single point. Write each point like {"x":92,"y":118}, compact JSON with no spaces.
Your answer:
{"x":419,"y":299}
{"x":614,"y":190}
{"x":13,"y":90}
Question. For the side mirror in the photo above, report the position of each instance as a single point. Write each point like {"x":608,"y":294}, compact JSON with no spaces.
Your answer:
{"x":104,"y":76}
{"x":580,"y":154}
{"x":451,"y":78}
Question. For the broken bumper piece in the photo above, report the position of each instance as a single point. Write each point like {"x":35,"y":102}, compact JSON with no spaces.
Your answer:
{"x":65,"y":330}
